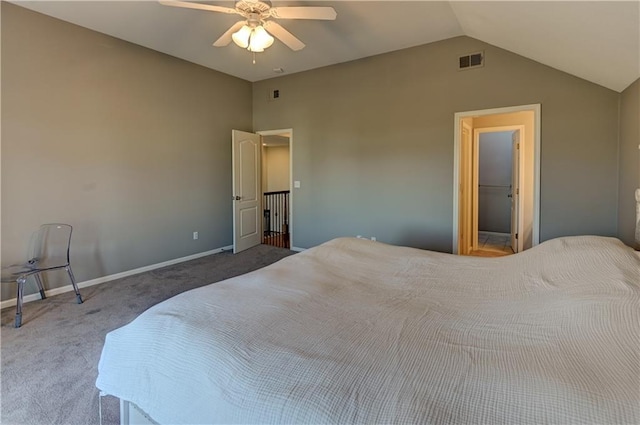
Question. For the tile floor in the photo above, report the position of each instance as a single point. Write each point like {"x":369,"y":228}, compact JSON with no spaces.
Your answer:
{"x":493,"y":244}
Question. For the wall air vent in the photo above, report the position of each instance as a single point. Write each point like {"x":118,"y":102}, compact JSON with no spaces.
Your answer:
{"x":274,"y":94}
{"x":472,"y":60}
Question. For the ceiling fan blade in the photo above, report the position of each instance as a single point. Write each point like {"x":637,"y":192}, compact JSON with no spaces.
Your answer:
{"x":304,"y":12}
{"x":226,"y":37}
{"x":283,"y":35}
{"x":199,"y":6}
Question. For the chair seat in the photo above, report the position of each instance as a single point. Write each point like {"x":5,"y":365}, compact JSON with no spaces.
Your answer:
{"x":11,"y":273}
{"x":14,"y":272}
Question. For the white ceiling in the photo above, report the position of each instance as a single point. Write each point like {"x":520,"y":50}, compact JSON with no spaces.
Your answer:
{"x":595,"y":40}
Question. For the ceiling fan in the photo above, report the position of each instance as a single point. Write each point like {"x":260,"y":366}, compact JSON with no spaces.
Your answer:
{"x":252,"y":33}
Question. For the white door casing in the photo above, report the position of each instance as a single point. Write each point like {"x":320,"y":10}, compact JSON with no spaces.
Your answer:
{"x":247,"y":190}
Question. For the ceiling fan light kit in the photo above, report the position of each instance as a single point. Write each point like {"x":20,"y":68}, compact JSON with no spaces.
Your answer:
{"x":252,"y":34}
{"x":259,"y":40}
{"x":241,"y":38}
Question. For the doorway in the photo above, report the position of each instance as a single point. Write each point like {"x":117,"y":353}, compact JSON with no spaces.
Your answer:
{"x":517,"y":200}
{"x":496,"y":186}
{"x":262,"y":201}
{"x":276,"y":189}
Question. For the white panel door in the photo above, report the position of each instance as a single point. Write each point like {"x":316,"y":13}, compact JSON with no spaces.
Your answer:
{"x":247,"y":217}
{"x":475,"y":184}
{"x":515,"y":193}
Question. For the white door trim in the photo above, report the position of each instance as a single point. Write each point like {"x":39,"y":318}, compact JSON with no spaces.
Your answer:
{"x":458,"y":116}
{"x":288,"y":131}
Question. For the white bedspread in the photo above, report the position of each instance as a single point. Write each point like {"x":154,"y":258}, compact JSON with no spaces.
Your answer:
{"x":355,"y":331}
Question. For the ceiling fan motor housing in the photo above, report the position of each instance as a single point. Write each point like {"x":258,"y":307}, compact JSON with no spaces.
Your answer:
{"x":248,"y":7}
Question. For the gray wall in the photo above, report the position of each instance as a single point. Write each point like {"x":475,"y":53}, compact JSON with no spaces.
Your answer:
{"x":373,"y":142}
{"x":629,"y":162}
{"x":494,"y":178}
{"x":130,"y":146}
{"x":276,"y":162}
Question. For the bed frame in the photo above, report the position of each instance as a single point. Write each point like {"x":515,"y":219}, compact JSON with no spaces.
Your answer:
{"x":131,"y":414}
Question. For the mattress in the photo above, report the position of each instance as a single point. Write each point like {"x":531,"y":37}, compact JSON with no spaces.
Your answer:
{"x":355,"y":331}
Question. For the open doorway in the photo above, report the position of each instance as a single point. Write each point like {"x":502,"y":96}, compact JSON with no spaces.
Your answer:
{"x":259,"y":173}
{"x":276,"y":188}
{"x":497,"y":188}
{"x":506,"y":195}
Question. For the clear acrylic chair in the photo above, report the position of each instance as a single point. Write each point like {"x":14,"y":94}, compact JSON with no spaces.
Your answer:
{"x":49,"y":250}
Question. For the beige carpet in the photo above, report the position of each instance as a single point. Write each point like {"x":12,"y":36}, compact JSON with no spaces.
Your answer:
{"x":49,"y":365}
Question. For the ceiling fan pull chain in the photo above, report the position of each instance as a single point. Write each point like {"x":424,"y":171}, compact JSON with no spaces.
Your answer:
{"x":254,"y":57}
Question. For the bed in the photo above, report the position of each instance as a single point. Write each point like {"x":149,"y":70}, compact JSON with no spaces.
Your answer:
{"x":355,"y":331}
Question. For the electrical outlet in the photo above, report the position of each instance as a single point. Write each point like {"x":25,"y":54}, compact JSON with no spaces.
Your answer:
{"x":195,"y":235}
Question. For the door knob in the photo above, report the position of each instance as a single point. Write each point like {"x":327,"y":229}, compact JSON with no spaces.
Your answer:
{"x":237,"y":198}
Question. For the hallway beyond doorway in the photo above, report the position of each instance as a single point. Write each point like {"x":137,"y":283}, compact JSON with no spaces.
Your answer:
{"x":492,"y":244}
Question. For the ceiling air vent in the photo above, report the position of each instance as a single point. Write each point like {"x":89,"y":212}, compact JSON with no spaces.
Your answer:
{"x":472,"y":60}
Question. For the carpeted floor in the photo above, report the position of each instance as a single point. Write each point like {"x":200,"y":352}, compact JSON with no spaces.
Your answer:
{"x":50,"y":364}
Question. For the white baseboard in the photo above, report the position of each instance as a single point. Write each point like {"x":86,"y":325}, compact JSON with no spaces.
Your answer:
{"x":296,"y":249}
{"x":103,"y":279}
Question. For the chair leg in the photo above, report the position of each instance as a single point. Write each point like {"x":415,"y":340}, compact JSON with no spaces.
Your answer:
{"x":75,"y":286}
{"x":40,"y":286}
{"x":20,"y":281}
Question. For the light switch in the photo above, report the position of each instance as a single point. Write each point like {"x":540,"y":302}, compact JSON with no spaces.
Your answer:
{"x":296,"y":184}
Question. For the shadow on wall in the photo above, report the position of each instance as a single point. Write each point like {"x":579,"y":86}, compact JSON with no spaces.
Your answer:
{"x":422,"y":237}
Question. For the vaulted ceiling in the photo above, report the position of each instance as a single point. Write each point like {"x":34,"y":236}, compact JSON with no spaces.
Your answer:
{"x":595,"y":40}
